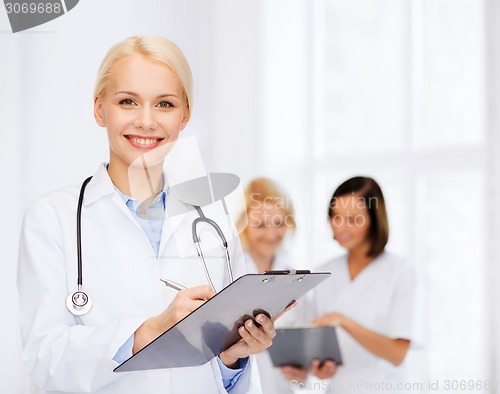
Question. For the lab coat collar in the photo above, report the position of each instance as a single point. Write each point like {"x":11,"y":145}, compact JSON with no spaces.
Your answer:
{"x":100,"y":186}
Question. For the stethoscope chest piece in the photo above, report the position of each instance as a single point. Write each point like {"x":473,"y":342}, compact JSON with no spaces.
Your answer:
{"x":79,"y":303}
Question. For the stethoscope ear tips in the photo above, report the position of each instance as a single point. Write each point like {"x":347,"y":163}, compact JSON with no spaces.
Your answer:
{"x":79,"y":303}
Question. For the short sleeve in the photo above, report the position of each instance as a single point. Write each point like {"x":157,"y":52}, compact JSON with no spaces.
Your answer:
{"x":404,"y":309}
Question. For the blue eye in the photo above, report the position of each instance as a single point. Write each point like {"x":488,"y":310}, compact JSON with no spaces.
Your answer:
{"x":165,"y":104}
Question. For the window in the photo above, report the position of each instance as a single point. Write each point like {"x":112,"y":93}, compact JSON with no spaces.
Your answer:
{"x":394,"y":90}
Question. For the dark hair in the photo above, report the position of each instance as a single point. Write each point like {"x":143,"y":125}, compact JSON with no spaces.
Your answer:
{"x":369,"y":190}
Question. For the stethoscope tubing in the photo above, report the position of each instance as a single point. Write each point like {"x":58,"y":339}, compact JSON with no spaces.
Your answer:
{"x":196,"y":240}
{"x":79,"y":281}
{"x":79,"y":303}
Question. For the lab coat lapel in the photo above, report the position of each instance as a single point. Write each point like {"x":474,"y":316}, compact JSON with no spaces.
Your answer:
{"x":101,"y":186}
{"x":170,"y":221}
{"x":166,"y":233}
{"x":126,"y":211}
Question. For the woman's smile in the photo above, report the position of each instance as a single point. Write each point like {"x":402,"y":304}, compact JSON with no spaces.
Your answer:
{"x":144,"y":143}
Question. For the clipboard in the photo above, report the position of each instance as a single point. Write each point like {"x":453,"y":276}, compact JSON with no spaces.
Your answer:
{"x":213,"y":327}
{"x":298,"y":346}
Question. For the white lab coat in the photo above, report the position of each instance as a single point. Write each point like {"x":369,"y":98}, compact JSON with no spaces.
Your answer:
{"x":273,"y":381}
{"x":64,"y":353}
{"x":382,"y":298}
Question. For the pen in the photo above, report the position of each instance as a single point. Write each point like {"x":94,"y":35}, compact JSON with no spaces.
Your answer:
{"x":177,"y":286}
{"x":173,"y":285}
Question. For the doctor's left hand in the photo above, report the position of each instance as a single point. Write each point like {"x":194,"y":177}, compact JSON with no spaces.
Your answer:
{"x":254,"y":339}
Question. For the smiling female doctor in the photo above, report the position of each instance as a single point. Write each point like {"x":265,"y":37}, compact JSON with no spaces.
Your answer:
{"x":143,"y":97}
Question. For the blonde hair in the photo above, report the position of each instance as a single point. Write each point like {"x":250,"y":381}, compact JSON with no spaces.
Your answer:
{"x":262,"y":191}
{"x":154,"y":48}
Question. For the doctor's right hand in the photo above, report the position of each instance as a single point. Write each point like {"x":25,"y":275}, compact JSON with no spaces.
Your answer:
{"x":185,"y":302}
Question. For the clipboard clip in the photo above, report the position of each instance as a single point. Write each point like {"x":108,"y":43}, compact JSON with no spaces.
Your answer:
{"x":286,"y":272}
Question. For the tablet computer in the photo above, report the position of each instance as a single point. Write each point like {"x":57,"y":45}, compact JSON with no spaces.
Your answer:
{"x":298,"y":346}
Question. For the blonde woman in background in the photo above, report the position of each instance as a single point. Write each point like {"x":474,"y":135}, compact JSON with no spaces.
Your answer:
{"x":270,"y":218}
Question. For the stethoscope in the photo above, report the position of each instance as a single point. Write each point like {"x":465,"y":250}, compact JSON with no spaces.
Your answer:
{"x":79,"y":303}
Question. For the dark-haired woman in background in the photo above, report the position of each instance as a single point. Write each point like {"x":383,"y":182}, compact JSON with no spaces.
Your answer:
{"x":370,"y":296}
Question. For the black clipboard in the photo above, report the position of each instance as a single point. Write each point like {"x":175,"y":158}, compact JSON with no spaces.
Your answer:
{"x":213,"y":327}
{"x":298,"y":346}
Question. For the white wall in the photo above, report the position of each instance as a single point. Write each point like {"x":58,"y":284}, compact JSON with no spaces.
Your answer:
{"x":493,"y":181}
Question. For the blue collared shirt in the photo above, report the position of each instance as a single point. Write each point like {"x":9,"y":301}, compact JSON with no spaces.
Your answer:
{"x":151,"y":222}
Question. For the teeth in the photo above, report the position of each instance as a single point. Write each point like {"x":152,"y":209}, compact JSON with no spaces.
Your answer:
{"x":144,"y":141}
